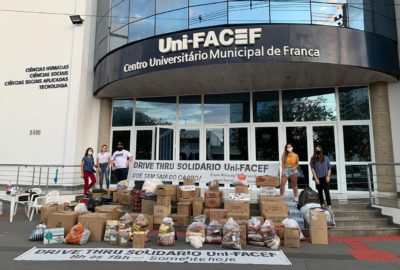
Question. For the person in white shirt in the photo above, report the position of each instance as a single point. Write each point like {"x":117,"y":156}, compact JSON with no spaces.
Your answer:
{"x":103,"y":162}
{"x":120,"y":162}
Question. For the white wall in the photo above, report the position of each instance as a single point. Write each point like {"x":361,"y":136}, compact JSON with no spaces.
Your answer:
{"x":67,"y":117}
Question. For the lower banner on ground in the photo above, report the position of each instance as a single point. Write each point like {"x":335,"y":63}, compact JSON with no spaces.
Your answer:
{"x":267,"y":257}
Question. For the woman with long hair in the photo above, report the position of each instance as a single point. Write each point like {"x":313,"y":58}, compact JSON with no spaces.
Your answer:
{"x":321,"y":171}
{"x":103,"y":164}
{"x":88,"y":171}
{"x":290,"y":163}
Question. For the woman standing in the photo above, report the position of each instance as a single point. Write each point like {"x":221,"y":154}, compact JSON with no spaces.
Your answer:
{"x":290,"y":162}
{"x":321,"y":171}
{"x":103,"y":162}
{"x":87,"y":170}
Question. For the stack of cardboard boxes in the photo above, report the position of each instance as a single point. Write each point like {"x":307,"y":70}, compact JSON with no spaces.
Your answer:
{"x":190,"y":202}
{"x":213,"y":197}
{"x":162,"y":208}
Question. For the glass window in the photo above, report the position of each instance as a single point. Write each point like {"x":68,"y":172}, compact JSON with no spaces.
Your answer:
{"x":267,"y":144}
{"x":167,"y":5}
{"x":238,"y":146}
{"x":266,"y":106}
{"x":202,"y":2}
{"x":309,"y":105}
{"x":189,"y":146}
{"x":141,"y":9}
{"x":119,"y":14}
{"x":334,"y":180}
{"x":290,"y":11}
{"x":360,"y":16}
{"x":144,"y":144}
{"x":255,"y":11}
{"x":207,"y":15}
{"x":227,"y":108}
{"x":189,"y":110}
{"x":123,"y":136}
{"x":102,"y":49}
{"x":354,"y":103}
{"x":329,"y":12}
{"x":297,"y":136}
{"x":172,"y":21}
{"x":117,"y":41}
{"x":102,"y":28}
{"x":103,"y":6}
{"x":356,"y":178}
{"x":215,"y":144}
{"x":325,"y":137}
{"x":122,"y":112}
{"x":141,"y":29}
{"x":155,"y":111}
{"x":356,"y":143}
{"x":166,"y":144}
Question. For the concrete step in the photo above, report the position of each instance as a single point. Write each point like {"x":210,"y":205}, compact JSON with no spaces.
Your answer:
{"x":358,"y":214}
{"x":363,"y":223}
{"x":363,"y":231}
{"x":351,"y":206}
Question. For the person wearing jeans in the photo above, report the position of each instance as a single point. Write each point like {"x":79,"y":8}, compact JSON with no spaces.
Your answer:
{"x":120,"y":162}
{"x":88,"y":171}
{"x":103,"y":162}
{"x":321,"y":171}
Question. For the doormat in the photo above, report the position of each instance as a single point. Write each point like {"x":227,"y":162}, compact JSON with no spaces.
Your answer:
{"x":267,"y":257}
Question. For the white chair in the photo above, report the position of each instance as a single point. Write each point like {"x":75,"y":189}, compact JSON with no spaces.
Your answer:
{"x":51,"y":197}
{"x":36,"y":192}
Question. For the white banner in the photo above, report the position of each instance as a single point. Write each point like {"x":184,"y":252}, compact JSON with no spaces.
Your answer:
{"x":202,"y":171}
{"x":266,"y":257}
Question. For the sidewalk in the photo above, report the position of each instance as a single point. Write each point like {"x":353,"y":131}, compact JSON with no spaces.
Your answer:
{"x":341,"y":253}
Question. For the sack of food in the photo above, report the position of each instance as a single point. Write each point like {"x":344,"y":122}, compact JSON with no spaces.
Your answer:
{"x":196,"y":230}
{"x":78,"y":235}
{"x":150,"y":185}
{"x":231,"y":235}
{"x":240,"y":179}
{"x":38,"y":233}
{"x":292,"y":223}
{"x":141,"y":224}
{"x":125,"y":222}
{"x":80,"y":207}
{"x":166,"y":233}
{"x":214,"y":232}
{"x":268,"y":232}
{"x":254,"y":236}
{"x":111,"y":229}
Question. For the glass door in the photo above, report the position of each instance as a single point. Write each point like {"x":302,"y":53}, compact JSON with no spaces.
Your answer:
{"x":189,"y":144}
{"x":165,"y":143}
{"x":145,"y":142}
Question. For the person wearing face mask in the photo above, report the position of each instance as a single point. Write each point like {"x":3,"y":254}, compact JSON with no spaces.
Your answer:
{"x":321,"y":171}
{"x":290,"y":162}
{"x":88,"y":171}
{"x":120,"y":162}
{"x":103,"y":162}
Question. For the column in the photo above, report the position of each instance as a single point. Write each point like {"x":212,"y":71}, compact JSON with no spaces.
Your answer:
{"x":382,"y":136}
{"x":105,"y":122}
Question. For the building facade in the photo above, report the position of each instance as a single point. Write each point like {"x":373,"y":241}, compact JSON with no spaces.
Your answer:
{"x":207,"y":81}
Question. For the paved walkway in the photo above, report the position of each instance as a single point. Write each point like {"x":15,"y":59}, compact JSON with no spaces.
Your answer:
{"x":341,"y":253}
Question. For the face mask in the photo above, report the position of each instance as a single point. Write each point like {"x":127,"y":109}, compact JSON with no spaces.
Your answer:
{"x":90,"y":153}
{"x":289,"y":149}
{"x":120,"y":148}
{"x":318,"y":152}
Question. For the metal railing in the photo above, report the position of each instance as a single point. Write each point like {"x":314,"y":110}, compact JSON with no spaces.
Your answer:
{"x":383,"y":179}
{"x":42,"y":176}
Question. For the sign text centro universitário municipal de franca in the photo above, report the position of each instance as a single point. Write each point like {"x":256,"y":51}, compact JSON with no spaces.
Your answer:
{"x":209,"y":45}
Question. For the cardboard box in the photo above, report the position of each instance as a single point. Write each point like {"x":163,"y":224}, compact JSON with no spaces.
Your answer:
{"x":183,"y":208}
{"x":243,"y":234}
{"x":212,"y":202}
{"x":267,"y":181}
{"x":188,"y":194}
{"x":318,"y":227}
{"x":276,"y":218}
{"x":148,"y":206}
{"x":166,"y":190}
{"x":292,"y":237}
{"x":189,"y":182}
{"x":213,"y":185}
{"x":187,"y":200}
{"x":65,"y":219}
{"x":46,"y":210}
{"x":217,"y":214}
{"x":271,"y":199}
{"x":125,"y":197}
{"x":182,"y":220}
{"x":197,"y":207}
{"x":280,"y":230}
{"x":164,"y":200}
{"x":237,"y":206}
{"x":238,"y":216}
{"x":160,"y":212}
{"x":138,"y":239}
{"x":96,"y":224}
{"x":149,"y":218}
{"x":213,"y":194}
{"x":53,"y":236}
{"x":197,"y":192}
{"x":241,"y":189}
{"x":115,"y":195}
{"x":207,"y":212}
{"x":116,"y":211}
{"x":274,"y":208}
